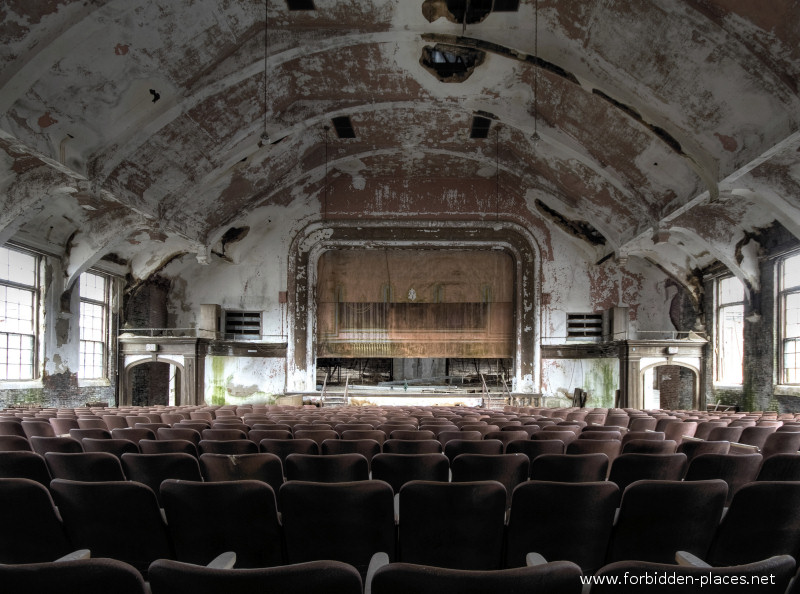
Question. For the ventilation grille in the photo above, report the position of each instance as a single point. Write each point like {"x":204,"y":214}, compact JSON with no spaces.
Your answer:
{"x":584,"y":325}
{"x":243,"y":324}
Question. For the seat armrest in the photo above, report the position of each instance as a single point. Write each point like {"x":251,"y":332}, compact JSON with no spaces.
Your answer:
{"x":689,"y":560}
{"x":533,"y":559}
{"x":76,"y":555}
{"x":378,"y":560}
{"x":224,"y":560}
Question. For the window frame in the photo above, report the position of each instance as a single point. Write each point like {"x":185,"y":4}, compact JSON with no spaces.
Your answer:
{"x":719,"y":352}
{"x":105,"y":305}
{"x":36,"y":303}
{"x":782,"y":318}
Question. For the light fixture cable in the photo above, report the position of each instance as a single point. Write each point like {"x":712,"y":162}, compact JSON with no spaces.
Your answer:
{"x":264,"y":134}
{"x":536,"y":138}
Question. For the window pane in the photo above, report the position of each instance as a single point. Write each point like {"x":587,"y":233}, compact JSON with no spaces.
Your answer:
{"x":16,"y":357}
{"x":17,"y":267}
{"x":791,"y":272}
{"x":791,"y":315}
{"x":731,"y":290}
{"x":93,"y":286}
{"x":92,"y":321}
{"x":91,"y":360}
{"x":791,"y":361}
{"x":16,"y":310}
{"x":731,"y":344}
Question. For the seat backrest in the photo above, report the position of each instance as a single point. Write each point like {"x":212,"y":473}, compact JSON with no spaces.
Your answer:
{"x":92,"y":423}
{"x":570,"y":468}
{"x":317,"y":435}
{"x":30,"y":528}
{"x":677,"y":431}
{"x":455,"y":525}
{"x":657,"y":518}
{"x":232,"y":447}
{"x":692,"y":448}
{"x":456,"y":447}
{"x":781,"y":443}
{"x":82,"y":576}
{"x":133,"y":434}
{"x":508,"y":469}
{"x":642,"y":424}
{"x":256,"y":435}
{"x":407,"y":446}
{"x":728,"y":433}
{"x":627,"y":468}
{"x":756,"y":436}
{"x":366,"y":447}
{"x":84,"y":466}
{"x":346,"y":522}
{"x":543,"y":519}
{"x":14,"y":443}
{"x":119,"y":519}
{"x":418,"y":434}
{"x":375,"y":434}
{"x":166,"y":446}
{"x":314,"y":577}
{"x":8,"y":427}
{"x":534,"y":448}
{"x":398,"y":469}
{"x":208,"y":519}
{"x":223,"y":434}
{"x":38,"y":427}
{"x":334,"y":468}
{"x":704,"y":429}
{"x":780,"y":467}
{"x":772,"y":574}
{"x":42,"y":444}
{"x":187,"y":433}
{"x":611,"y":448}
{"x":262,"y":467}
{"x":284,"y":447}
{"x":153,"y":469}
{"x":112,"y":446}
{"x":446,"y":436}
{"x":649,"y":446}
{"x":92,"y":433}
{"x":763,"y":519}
{"x":401,"y":578}
{"x":734,"y":469}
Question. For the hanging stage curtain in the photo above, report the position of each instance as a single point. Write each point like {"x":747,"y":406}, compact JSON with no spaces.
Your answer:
{"x":421,"y":303}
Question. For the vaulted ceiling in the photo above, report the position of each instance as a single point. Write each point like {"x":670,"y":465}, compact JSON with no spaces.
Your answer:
{"x":134,"y":130}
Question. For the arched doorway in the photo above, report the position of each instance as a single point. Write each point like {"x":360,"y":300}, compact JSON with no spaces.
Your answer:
{"x":154,"y":383}
{"x":670,"y":386}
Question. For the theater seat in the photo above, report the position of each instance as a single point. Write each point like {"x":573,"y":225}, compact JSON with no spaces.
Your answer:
{"x":314,"y":577}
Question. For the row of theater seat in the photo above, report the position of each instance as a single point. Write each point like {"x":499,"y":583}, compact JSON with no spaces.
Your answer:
{"x":510,"y":469}
{"x":773,"y":575}
{"x":447,"y":525}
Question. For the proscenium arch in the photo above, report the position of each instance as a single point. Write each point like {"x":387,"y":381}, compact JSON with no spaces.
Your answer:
{"x":666,"y":363}
{"x":318,"y":237}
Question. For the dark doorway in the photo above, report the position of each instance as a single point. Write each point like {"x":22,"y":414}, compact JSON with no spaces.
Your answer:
{"x":154,"y":384}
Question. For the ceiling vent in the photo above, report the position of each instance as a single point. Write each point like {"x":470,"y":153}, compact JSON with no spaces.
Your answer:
{"x":343,"y":127}
{"x":301,"y":4}
{"x":480,"y":127}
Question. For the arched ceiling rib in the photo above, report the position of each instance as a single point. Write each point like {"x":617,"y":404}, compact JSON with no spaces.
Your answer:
{"x":647,"y":110}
